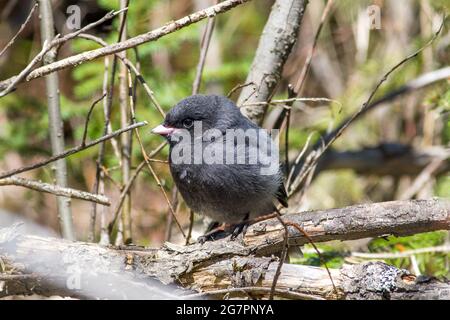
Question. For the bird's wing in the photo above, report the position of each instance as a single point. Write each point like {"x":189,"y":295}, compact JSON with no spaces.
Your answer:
{"x":282,"y":195}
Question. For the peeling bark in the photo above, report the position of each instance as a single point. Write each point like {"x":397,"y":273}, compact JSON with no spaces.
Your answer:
{"x":229,"y":266}
{"x":277,"y":39}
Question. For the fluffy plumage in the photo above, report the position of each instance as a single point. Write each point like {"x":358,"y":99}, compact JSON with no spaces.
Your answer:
{"x":227,"y":193}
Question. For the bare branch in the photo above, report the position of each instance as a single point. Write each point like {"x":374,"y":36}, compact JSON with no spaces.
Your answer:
{"x":72,"y":151}
{"x":9,"y":84}
{"x":55,"y":121}
{"x":403,"y":254}
{"x":20,"y":29}
{"x":130,"y":43}
{"x":275,"y":44}
{"x":55,"y":189}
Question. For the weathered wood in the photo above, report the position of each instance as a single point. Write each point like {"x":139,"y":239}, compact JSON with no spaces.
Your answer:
{"x":236,"y":267}
{"x":277,"y":39}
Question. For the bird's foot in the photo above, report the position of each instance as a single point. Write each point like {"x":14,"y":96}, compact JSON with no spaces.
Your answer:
{"x":238,"y":229}
{"x":224,"y":230}
{"x":219,"y":232}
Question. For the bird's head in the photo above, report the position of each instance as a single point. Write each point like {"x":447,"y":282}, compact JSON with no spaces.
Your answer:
{"x":212,"y":111}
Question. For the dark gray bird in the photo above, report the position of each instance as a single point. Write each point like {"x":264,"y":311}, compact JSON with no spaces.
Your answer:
{"x":230,"y":192}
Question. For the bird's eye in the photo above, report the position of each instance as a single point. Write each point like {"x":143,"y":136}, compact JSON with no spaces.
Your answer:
{"x":187,"y":123}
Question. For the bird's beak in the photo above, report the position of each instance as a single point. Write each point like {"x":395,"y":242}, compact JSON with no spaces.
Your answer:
{"x":163,"y":130}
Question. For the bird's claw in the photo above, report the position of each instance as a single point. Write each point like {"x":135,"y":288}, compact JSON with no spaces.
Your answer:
{"x":238,"y":229}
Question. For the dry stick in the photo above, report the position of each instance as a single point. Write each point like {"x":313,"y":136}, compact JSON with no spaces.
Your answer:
{"x":403,"y":254}
{"x":288,"y":294}
{"x":130,"y":43}
{"x":158,"y":182}
{"x":169,"y":220}
{"x":302,"y":77}
{"x":20,"y":29}
{"x":290,"y":100}
{"x":301,"y":230}
{"x":99,"y":183}
{"x":299,"y":157}
{"x":55,"y":120}
{"x":55,"y":189}
{"x":126,"y":189}
{"x":147,"y":161}
{"x":421,"y":179}
{"x":88,"y":118}
{"x":283,"y":255}
{"x":107,"y":129}
{"x":342,"y":128}
{"x":293,"y":92}
{"x":240,"y":86}
{"x":420,"y":82}
{"x":191,"y":226}
{"x":129,"y":185}
{"x":131,"y":67}
{"x":206,"y":40}
{"x":125,"y":89}
{"x":72,"y":151}
{"x":9,"y":85}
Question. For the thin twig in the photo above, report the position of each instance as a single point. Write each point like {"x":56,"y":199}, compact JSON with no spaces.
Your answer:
{"x":47,"y":46}
{"x":204,"y":46}
{"x":131,"y":67}
{"x":341,"y":129}
{"x":20,"y":29}
{"x":72,"y":151}
{"x":206,"y":40}
{"x":191,"y":226}
{"x":123,"y":195}
{"x":283,"y":255}
{"x":55,"y":189}
{"x":301,"y":230}
{"x":302,"y":77}
{"x":289,"y":294}
{"x":152,"y":171}
{"x":421,"y":179}
{"x":130,"y":43}
{"x":240,"y":86}
{"x":158,"y":182}
{"x":299,"y":157}
{"x":107,"y":126}
{"x":129,"y":185}
{"x":125,"y":98}
{"x":290,"y":100}
{"x":88,"y":118}
{"x":403,"y":254}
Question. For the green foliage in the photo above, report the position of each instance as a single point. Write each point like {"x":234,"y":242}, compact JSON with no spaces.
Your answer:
{"x":429,"y":263}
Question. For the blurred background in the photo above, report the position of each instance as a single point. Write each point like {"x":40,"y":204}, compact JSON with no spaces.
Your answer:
{"x":349,"y":60}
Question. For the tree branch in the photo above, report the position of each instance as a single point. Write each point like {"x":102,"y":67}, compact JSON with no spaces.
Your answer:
{"x":225,"y":264}
{"x":55,"y":189}
{"x":130,"y":43}
{"x":277,"y":39}
{"x":71,"y":151}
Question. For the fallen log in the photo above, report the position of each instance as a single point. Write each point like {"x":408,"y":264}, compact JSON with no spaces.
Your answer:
{"x":239,"y":268}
